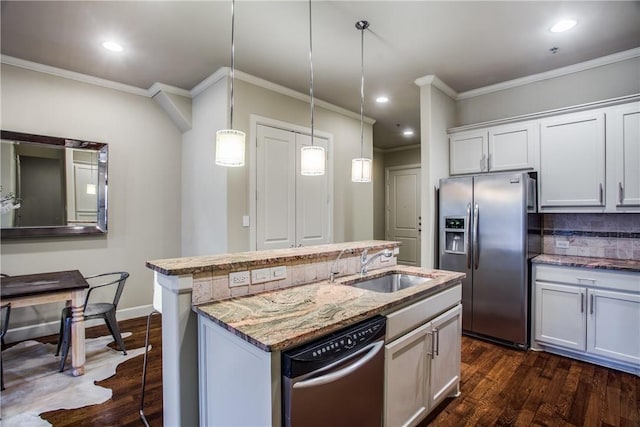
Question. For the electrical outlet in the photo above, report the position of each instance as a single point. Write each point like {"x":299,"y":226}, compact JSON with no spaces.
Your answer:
{"x":279,"y":273}
{"x":239,"y":278}
{"x":260,"y":276}
{"x":562,"y":244}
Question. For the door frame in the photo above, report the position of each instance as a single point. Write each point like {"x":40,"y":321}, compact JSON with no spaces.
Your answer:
{"x":256,"y":120}
{"x":386,"y":198}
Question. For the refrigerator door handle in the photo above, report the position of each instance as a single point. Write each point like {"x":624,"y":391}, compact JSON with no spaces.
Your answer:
{"x":467,"y":246}
{"x":475,"y":236}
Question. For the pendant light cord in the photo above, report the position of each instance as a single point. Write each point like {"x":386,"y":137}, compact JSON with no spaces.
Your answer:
{"x":311,"y":71}
{"x":363,"y":26}
{"x":233,"y":65}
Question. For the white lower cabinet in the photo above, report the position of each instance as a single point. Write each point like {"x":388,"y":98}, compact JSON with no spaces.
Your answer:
{"x":422,"y":368}
{"x":589,"y":315}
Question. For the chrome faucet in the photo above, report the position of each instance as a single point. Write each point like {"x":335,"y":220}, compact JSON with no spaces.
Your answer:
{"x":364,"y":261}
{"x":332,"y":271}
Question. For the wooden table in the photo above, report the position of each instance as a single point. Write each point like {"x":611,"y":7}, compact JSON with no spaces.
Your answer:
{"x":68,"y":286}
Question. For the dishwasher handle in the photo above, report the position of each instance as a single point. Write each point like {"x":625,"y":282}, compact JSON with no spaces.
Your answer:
{"x":373,"y":350}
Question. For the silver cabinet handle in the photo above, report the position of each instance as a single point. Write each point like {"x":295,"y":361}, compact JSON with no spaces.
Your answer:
{"x":601,"y":193}
{"x":468,"y":226}
{"x":581,"y":302}
{"x":476,"y":214}
{"x":591,"y":302}
{"x":373,"y":350}
{"x":620,"y":193}
{"x":437,"y":336}
{"x":488,"y":162}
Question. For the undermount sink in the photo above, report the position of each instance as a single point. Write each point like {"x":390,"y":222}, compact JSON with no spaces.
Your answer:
{"x":391,"y":282}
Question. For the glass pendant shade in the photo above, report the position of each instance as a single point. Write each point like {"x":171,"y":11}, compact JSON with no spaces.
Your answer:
{"x":361,"y":170}
{"x":230,"y":148}
{"x":312,"y":160}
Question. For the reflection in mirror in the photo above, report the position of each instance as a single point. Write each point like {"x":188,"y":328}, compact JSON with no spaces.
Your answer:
{"x":52,"y":186}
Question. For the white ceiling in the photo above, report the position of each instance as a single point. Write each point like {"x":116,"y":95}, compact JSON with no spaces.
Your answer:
{"x":179,"y":43}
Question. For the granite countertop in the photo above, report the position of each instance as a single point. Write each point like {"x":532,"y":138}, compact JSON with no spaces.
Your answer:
{"x":277,"y":320}
{"x":243,"y":260}
{"x":588,"y":262}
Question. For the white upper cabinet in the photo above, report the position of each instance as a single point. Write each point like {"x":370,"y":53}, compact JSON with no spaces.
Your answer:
{"x":623,"y":158}
{"x":493,"y":149}
{"x":572,"y":160}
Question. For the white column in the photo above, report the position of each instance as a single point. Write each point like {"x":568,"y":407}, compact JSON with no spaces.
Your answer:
{"x":179,"y":351}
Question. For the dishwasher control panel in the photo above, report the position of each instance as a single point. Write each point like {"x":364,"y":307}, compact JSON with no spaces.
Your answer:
{"x":339,"y":343}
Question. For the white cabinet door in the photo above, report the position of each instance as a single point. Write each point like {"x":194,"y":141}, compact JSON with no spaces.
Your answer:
{"x":445,"y":362}
{"x":561,"y":315}
{"x":407,"y":377}
{"x":623,"y":149}
{"x":612,"y":325}
{"x":511,"y":147}
{"x":312,"y":199}
{"x":572,"y":160}
{"x":276,"y":205}
{"x":468,"y":152}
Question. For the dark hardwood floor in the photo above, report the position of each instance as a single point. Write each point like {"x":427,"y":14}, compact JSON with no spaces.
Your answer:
{"x":500,"y":387}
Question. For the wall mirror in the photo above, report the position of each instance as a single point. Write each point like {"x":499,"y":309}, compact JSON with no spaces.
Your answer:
{"x":52,"y":186}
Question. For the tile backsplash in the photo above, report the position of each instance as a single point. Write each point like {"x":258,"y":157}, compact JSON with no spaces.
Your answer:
{"x":594,"y":235}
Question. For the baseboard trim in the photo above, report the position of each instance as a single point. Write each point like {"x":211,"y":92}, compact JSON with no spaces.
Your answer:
{"x":49,"y":328}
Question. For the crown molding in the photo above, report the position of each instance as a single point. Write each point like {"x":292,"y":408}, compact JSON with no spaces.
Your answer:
{"x":396,"y":149}
{"x":558,"y":72}
{"x":257,"y":81}
{"x":436,"y":82}
{"x":97,"y":81}
{"x":161,"y":87}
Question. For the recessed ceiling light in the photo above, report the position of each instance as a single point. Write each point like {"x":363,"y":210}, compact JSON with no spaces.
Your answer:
{"x":564,"y":25}
{"x":382,"y":99}
{"x":407,"y":132}
{"x":112,"y":46}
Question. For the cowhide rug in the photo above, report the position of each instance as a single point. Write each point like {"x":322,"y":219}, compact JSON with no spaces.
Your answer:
{"x":33,"y":384}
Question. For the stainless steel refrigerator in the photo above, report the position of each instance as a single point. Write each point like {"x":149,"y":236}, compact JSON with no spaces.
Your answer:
{"x":489,"y":229}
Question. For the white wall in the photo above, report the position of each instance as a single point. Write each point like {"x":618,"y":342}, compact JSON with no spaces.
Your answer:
{"x":594,"y":84}
{"x":144,"y":183}
{"x":353,"y":202}
{"x":204,"y":184}
{"x":437,"y":114}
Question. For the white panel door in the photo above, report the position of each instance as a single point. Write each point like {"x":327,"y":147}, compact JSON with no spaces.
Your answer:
{"x":561,"y":315}
{"x":85,"y":189}
{"x":572,"y":160}
{"x":511,"y":147}
{"x":312,"y":199}
{"x":403,"y":213}
{"x":623,"y":127}
{"x":612,"y":325}
{"x":276,"y":205}
{"x":407,"y":378}
{"x":467,"y":152}
{"x":445,"y":362}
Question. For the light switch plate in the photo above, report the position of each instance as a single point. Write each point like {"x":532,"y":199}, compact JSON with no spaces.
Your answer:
{"x":396,"y":250}
{"x":562,"y":244}
{"x":245,"y":221}
{"x":279,"y":273}
{"x":261,"y":275}
{"x":239,"y":278}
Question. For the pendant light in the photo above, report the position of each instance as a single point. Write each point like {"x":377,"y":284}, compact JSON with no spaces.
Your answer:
{"x":312,"y":157}
{"x":230,"y":142}
{"x":361,"y":167}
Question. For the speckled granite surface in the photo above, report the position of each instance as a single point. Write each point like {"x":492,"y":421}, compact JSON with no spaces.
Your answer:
{"x":277,"y":320}
{"x":243,"y":260}
{"x":588,"y":262}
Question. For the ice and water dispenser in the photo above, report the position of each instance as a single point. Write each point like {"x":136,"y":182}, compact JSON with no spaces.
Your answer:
{"x":455,"y":235}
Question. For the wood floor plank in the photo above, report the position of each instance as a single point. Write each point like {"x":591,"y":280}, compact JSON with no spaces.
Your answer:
{"x":500,"y":386}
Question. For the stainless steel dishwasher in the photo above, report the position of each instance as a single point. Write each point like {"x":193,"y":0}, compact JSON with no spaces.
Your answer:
{"x":337,"y":380}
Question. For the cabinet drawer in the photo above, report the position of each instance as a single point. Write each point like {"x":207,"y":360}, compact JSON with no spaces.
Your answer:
{"x":594,"y":278}
{"x":407,"y":318}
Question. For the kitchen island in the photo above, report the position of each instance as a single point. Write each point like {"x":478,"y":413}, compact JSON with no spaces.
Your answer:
{"x":289,"y":300}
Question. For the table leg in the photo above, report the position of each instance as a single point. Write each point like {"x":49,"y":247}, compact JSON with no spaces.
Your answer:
{"x":77,"y":333}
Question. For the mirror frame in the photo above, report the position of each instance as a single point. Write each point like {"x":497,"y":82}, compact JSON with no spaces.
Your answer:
{"x":65,"y":230}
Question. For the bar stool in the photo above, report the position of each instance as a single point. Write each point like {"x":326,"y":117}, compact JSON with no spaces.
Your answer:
{"x":157,"y":309}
